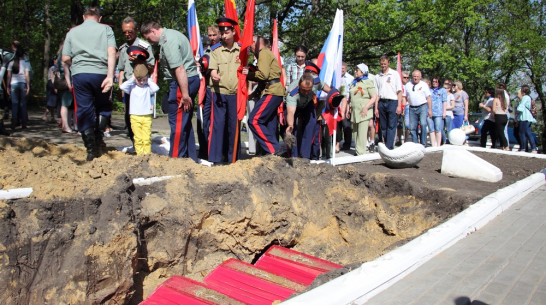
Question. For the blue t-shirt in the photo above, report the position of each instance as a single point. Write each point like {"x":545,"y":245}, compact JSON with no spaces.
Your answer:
{"x":438,"y":97}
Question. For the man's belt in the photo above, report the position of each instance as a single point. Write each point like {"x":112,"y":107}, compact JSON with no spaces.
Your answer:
{"x":387,"y":100}
{"x":272,"y":82}
{"x":417,"y":105}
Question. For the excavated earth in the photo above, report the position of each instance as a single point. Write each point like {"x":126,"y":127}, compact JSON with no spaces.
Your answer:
{"x":88,"y":235}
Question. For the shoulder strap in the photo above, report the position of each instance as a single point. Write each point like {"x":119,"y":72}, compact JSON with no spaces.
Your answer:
{"x":295,"y":91}
{"x":216,"y":46}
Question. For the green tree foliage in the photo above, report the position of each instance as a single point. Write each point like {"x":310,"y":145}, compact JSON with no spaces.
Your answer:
{"x":480,"y":42}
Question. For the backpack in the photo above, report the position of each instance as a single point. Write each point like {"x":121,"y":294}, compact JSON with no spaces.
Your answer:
{"x":534,"y":108}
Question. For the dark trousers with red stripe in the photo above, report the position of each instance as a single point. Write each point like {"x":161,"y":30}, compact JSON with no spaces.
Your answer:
{"x":307,"y":132}
{"x":224,"y":129}
{"x":90,"y":101}
{"x":182,"y":138}
{"x":263,"y":122}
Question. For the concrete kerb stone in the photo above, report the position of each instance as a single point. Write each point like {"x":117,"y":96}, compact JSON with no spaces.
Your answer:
{"x":361,"y":284}
{"x":15,"y":193}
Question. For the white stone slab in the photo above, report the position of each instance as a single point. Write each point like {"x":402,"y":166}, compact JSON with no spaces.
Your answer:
{"x":461,"y":163}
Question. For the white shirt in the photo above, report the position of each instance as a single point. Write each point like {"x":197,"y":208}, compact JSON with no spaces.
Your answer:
{"x":347,"y":79}
{"x":141,"y":102}
{"x":19,"y":77}
{"x":417,"y":94}
{"x":450,"y":103}
{"x":486,"y":115}
{"x":388,"y":84}
{"x":507,"y":99}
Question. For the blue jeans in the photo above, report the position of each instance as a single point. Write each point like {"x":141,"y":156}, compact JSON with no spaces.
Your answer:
{"x":524,"y":135}
{"x":448,"y":127}
{"x":388,"y":120}
{"x":418,"y":115}
{"x":19,"y":101}
{"x":435,"y":124}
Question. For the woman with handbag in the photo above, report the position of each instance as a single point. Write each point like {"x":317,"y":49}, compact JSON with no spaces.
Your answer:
{"x":498,"y":110}
{"x":525,"y":119}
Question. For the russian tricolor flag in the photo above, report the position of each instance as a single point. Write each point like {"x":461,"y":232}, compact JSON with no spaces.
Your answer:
{"x":329,"y":61}
{"x":330,"y":57}
{"x":196,"y":46}
{"x":193,"y":31}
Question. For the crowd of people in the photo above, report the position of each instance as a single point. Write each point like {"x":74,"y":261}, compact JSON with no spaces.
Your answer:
{"x":301,"y":110}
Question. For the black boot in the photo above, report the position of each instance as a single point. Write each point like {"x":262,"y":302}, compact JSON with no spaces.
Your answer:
{"x":3,"y":130}
{"x":102,"y":122}
{"x":88,"y":137}
{"x":13,"y":124}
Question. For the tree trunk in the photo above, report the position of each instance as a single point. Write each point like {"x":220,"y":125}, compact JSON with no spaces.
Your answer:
{"x":47,"y":41}
{"x":76,"y":12}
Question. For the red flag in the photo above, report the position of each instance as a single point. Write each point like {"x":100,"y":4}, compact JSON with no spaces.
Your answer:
{"x":275,"y":50}
{"x":248,"y":37}
{"x":275,"y":47}
{"x":231,"y":13}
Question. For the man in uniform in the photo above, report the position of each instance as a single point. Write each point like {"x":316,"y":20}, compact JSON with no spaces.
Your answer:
{"x":178,"y":66}
{"x":127,"y":62}
{"x":203,"y":116}
{"x":301,"y":118}
{"x":304,"y":112}
{"x":90,"y":52}
{"x":224,"y":62}
{"x":389,"y":106}
{"x":263,"y":118}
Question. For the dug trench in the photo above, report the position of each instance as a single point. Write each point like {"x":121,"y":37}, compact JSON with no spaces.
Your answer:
{"x":88,"y":235}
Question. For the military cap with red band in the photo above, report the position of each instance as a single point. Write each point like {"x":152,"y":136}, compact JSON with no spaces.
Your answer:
{"x":311,"y":67}
{"x":225,"y":23}
{"x":138,"y":51}
{"x":334,"y":98}
{"x":204,"y":62}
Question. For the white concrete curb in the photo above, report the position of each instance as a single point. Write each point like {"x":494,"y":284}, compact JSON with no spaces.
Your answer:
{"x":359,"y":285}
{"x":15,"y":193}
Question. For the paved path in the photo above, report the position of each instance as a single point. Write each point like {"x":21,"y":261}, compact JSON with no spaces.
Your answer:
{"x":502,"y":263}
